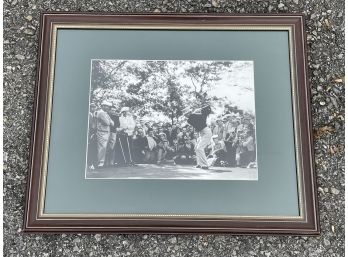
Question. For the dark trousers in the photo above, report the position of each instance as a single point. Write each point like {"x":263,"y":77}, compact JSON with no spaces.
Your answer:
{"x":247,"y":157}
{"x":231,"y":153}
{"x":138,"y":154}
{"x":150,"y":156}
{"x":110,"y":150}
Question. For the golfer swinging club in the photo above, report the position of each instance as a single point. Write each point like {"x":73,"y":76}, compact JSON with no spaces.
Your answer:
{"x":198,"y":120}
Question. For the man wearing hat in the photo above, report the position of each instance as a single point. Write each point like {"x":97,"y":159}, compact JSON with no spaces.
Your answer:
{"x":218,"y":151}
{"x":198,"y":120}
{"x":230,"y":125}
{"x":103,"y":131}
{"x":248,"y":154}
{"x":126,"y":129}
{"x":219,"y":129}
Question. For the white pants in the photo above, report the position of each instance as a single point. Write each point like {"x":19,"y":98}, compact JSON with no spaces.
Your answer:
{"x":203,"y":141}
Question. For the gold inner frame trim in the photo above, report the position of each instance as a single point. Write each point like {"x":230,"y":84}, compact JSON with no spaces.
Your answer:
{"x":137,"y":216}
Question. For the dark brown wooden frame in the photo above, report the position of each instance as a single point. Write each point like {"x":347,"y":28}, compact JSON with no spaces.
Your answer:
{"x":307,"y":225}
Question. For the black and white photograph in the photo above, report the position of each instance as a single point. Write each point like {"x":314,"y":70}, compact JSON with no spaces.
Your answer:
{"x":172,"y":119}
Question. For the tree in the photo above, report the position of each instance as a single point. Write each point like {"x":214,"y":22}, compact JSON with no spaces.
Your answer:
{"x":173,"y":104}
{"x":104,"y":73}
{"x":162,"y":86}
{"x":202,"y":76}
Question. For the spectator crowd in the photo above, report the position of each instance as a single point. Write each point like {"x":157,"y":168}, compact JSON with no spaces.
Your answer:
{"x":118,"y":138}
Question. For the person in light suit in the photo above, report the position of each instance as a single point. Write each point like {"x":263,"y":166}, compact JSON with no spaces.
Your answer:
{"x":103,"y":131}
{"x":92,"y":159}
{"x":110,"y":152}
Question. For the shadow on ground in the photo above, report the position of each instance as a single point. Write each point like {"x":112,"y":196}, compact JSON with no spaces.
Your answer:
{"x":171,"y":171}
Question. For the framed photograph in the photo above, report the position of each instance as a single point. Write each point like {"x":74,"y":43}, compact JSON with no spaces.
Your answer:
{"x":172,"y":124}
{"x":140,"y":120}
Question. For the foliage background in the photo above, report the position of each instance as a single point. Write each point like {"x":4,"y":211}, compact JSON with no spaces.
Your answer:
{"x":161,"y":90}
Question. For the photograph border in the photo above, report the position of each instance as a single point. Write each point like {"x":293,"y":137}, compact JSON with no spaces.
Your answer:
{"x":199,"y":60}
{"x":35,"y":220}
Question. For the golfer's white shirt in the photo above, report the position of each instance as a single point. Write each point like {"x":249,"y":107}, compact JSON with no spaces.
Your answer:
{"x":128,"y":124}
